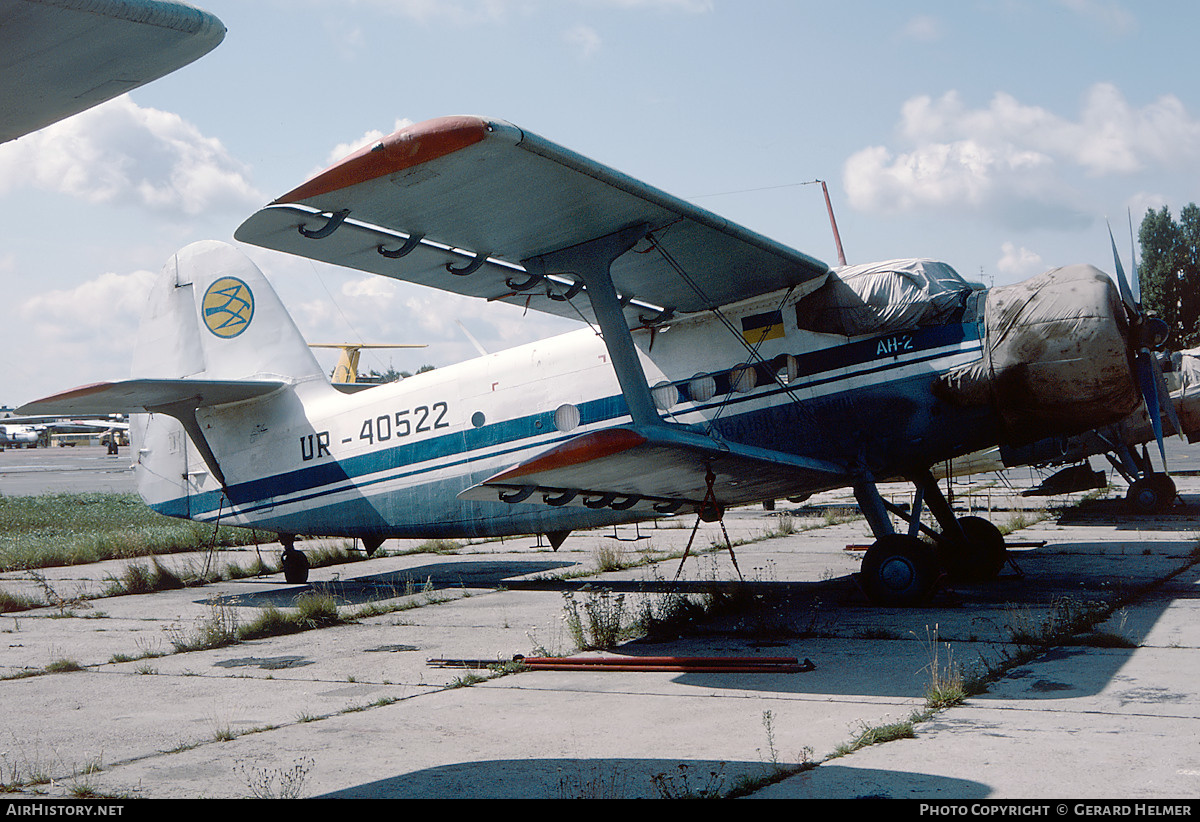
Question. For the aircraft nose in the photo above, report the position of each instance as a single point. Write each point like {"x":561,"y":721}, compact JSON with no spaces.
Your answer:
{"x":1056,"y":356}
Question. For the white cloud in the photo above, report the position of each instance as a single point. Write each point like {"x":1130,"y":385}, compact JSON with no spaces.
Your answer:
{"x":93,"y":324}
{"x":1016,"y":161}
{"x":1019,"y":261}
{"x":120,"y":152}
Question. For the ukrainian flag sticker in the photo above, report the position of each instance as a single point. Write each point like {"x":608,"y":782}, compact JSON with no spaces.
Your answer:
{"x":228,"y":307}
{"x":758,"y":328}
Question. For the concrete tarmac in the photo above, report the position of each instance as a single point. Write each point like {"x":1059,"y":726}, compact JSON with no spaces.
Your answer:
{"x":99,"y":701}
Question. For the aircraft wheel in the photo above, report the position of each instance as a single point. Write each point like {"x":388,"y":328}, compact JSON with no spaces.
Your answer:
{"x":295,"y":566}
{"x":1151,"y":494}
{"x":983,"y":555}
{"x":899,"y":571}
{"x":1166,"y":486}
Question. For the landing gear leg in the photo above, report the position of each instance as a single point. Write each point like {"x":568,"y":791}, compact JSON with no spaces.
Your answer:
{"x":899,"y":570}
{"x":1150,"y":492}
{"x":970,"y":549}
{"x":295,"y":564}
{"x":903,"y":570}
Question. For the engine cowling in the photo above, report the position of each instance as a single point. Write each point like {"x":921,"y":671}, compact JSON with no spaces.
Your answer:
{"x":1056,"y":356}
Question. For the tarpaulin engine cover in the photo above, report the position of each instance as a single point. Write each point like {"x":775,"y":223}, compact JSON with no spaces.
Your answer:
{"x":1186,"y":395}
{"x":897,"y":295}
{"x":1055,"y":356}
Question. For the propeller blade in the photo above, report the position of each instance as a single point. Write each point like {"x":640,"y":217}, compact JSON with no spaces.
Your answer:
{"x":1122,"y":282}
{"x":1149,"y":386}
{"x":1136,"y":283}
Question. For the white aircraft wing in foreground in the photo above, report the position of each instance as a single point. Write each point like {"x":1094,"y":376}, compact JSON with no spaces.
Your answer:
{"x":60,"y":57}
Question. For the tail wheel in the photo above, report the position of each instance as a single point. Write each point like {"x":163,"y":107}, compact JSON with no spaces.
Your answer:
{"x":295,"y":566}
{"x":981,"y":557}
{"x":899,"y":571}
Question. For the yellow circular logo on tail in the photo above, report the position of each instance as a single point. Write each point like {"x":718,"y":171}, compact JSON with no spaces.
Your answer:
{"x":228,"y":307}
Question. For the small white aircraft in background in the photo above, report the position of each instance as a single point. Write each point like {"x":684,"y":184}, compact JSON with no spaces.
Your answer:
{"x":19,"y":436}
{"x":718,"y":367}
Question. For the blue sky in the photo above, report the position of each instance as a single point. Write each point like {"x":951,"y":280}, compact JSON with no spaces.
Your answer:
{"x":996,"y":135}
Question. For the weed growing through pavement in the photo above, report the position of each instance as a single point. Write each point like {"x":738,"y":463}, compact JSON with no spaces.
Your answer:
{"x":684,"y":784}
{"x":276,"y":783}
{"x":947,"y":686}
{"x":597,"y":623}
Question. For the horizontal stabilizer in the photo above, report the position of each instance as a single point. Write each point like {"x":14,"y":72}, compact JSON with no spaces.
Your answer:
{"x":147,"y":395}
{"x":660,"y":470}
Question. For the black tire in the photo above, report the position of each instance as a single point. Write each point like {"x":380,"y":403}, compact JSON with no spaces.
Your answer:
{"x":899,"y":571}
{"x":1150,"y":494}
{"x":981,"y":558}
{"x":295,"y":567}
{"x":1166,"y":488}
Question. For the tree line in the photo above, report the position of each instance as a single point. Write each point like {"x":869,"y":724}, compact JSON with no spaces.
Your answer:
{"x":1170,"y":272}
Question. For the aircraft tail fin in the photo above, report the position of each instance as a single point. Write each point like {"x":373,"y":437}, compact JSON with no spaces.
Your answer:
{"x":212,"y":315}
{"x":214,"y":335}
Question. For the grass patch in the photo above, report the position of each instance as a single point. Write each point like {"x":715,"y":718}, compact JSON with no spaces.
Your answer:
{"x":877,"y":735}
{"x":74,"y":529}
{"x":312,"y":611}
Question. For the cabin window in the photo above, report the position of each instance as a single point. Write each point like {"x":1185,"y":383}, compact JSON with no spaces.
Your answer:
{"x":743,"y":379}
{"x":566,"y":418}
{"x":702,"y":388}
{"x":665,"y":395}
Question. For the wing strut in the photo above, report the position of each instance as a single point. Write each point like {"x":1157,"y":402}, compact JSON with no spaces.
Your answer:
{"x":591,"y":261}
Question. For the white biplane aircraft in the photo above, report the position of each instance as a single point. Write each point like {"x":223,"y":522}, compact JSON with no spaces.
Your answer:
{"x":719,"y":368}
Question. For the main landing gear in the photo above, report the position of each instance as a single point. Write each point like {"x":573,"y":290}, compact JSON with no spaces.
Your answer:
{"x":901,"y":570}
{"x":1151,"y":494}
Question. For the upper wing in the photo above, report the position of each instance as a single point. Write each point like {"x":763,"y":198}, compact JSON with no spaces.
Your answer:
{"x":458,"y":203}
{"x":63,"y":56}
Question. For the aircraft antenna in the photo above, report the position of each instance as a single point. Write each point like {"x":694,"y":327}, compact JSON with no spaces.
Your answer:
{"x":837,"y":238}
